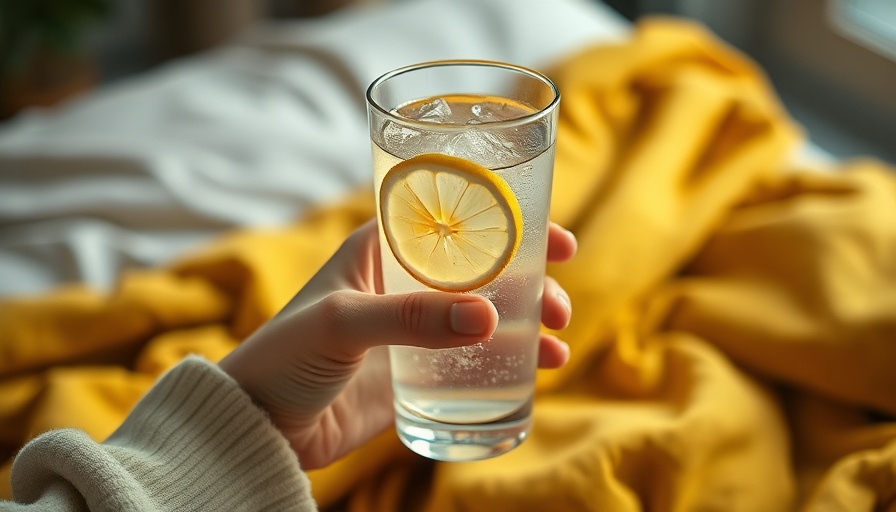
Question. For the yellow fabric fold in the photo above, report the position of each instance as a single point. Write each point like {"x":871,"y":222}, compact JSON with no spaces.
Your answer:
{"x":734,"y":325}
{"x":657,"y":140}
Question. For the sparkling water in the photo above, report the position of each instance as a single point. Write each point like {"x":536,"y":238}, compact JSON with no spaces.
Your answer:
{"x":490,"y":381}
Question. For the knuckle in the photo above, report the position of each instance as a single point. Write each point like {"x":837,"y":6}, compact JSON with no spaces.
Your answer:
{"x":335,"y":311}
{"x":410,"y":313}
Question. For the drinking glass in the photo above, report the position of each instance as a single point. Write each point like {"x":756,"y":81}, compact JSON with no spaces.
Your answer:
{"x":472,"y":402}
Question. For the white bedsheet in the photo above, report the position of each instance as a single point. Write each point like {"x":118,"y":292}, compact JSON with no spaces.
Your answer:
{"x":250,"y":134}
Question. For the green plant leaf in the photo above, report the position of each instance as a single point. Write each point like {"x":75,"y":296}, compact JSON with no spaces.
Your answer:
{"x":30,"y":26}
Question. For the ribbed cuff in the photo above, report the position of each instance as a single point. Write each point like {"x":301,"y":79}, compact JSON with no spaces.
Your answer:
{"x":194,"y":442}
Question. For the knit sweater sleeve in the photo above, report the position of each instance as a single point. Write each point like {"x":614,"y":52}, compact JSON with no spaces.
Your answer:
{"x":194,"y":442}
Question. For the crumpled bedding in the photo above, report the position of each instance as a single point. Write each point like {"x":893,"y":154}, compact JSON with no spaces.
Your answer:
{"x":734,"y":326}
{"x":253,"y":133}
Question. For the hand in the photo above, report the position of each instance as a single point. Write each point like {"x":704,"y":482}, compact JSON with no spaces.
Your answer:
{"x":319,"y":367}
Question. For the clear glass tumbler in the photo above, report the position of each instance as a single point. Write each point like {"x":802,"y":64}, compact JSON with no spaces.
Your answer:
{"x":473,"y":402}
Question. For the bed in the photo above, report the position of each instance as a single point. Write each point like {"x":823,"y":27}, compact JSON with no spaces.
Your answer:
{"x":734,"y":315}
{"x":250,"y":134}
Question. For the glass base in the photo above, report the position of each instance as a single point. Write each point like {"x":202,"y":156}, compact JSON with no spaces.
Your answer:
{"x":461,"y":442}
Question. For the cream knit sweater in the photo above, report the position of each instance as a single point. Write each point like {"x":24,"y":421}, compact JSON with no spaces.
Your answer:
{"x":194,"y":442}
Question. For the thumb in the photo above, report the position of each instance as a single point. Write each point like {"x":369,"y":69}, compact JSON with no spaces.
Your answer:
{"x":356,"y":321}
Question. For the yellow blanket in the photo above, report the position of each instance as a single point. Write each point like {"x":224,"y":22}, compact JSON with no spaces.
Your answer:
{"x":734,"y":336}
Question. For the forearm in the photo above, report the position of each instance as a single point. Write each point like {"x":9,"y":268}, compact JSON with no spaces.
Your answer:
{"x":194,"y":442}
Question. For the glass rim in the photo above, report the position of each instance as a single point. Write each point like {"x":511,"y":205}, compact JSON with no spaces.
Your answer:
{"x":430,"y":126}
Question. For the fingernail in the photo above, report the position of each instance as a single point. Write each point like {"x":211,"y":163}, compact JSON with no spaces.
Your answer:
{"x":565,"y":301}
{"x":470,"y":318}
{"x":566,"y":349}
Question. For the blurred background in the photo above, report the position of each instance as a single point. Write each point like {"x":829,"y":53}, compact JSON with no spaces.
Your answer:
{"x":832,"y":61}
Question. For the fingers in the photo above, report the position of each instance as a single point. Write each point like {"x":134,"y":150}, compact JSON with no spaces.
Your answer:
{"x":552,"y":352}
{"x":556,"y":312}
{"x":556,"y":309}
{"x":354,"y":322}
{"x":562,"y":243}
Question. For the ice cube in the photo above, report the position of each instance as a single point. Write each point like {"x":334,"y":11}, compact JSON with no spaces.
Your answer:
{"x":435,"y":111}
{"x":487,"y":148}
{"x":488,"y":113}
{"x":532,"y":139}
{"x":494,"y":149}
{"x":395,"y":135}
{"x":405,"y":142}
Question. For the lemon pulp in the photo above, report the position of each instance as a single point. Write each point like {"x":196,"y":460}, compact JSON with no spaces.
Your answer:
{"x":452,"y":224}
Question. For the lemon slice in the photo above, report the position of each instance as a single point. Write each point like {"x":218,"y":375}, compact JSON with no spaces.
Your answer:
{"x":451,"y":223}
